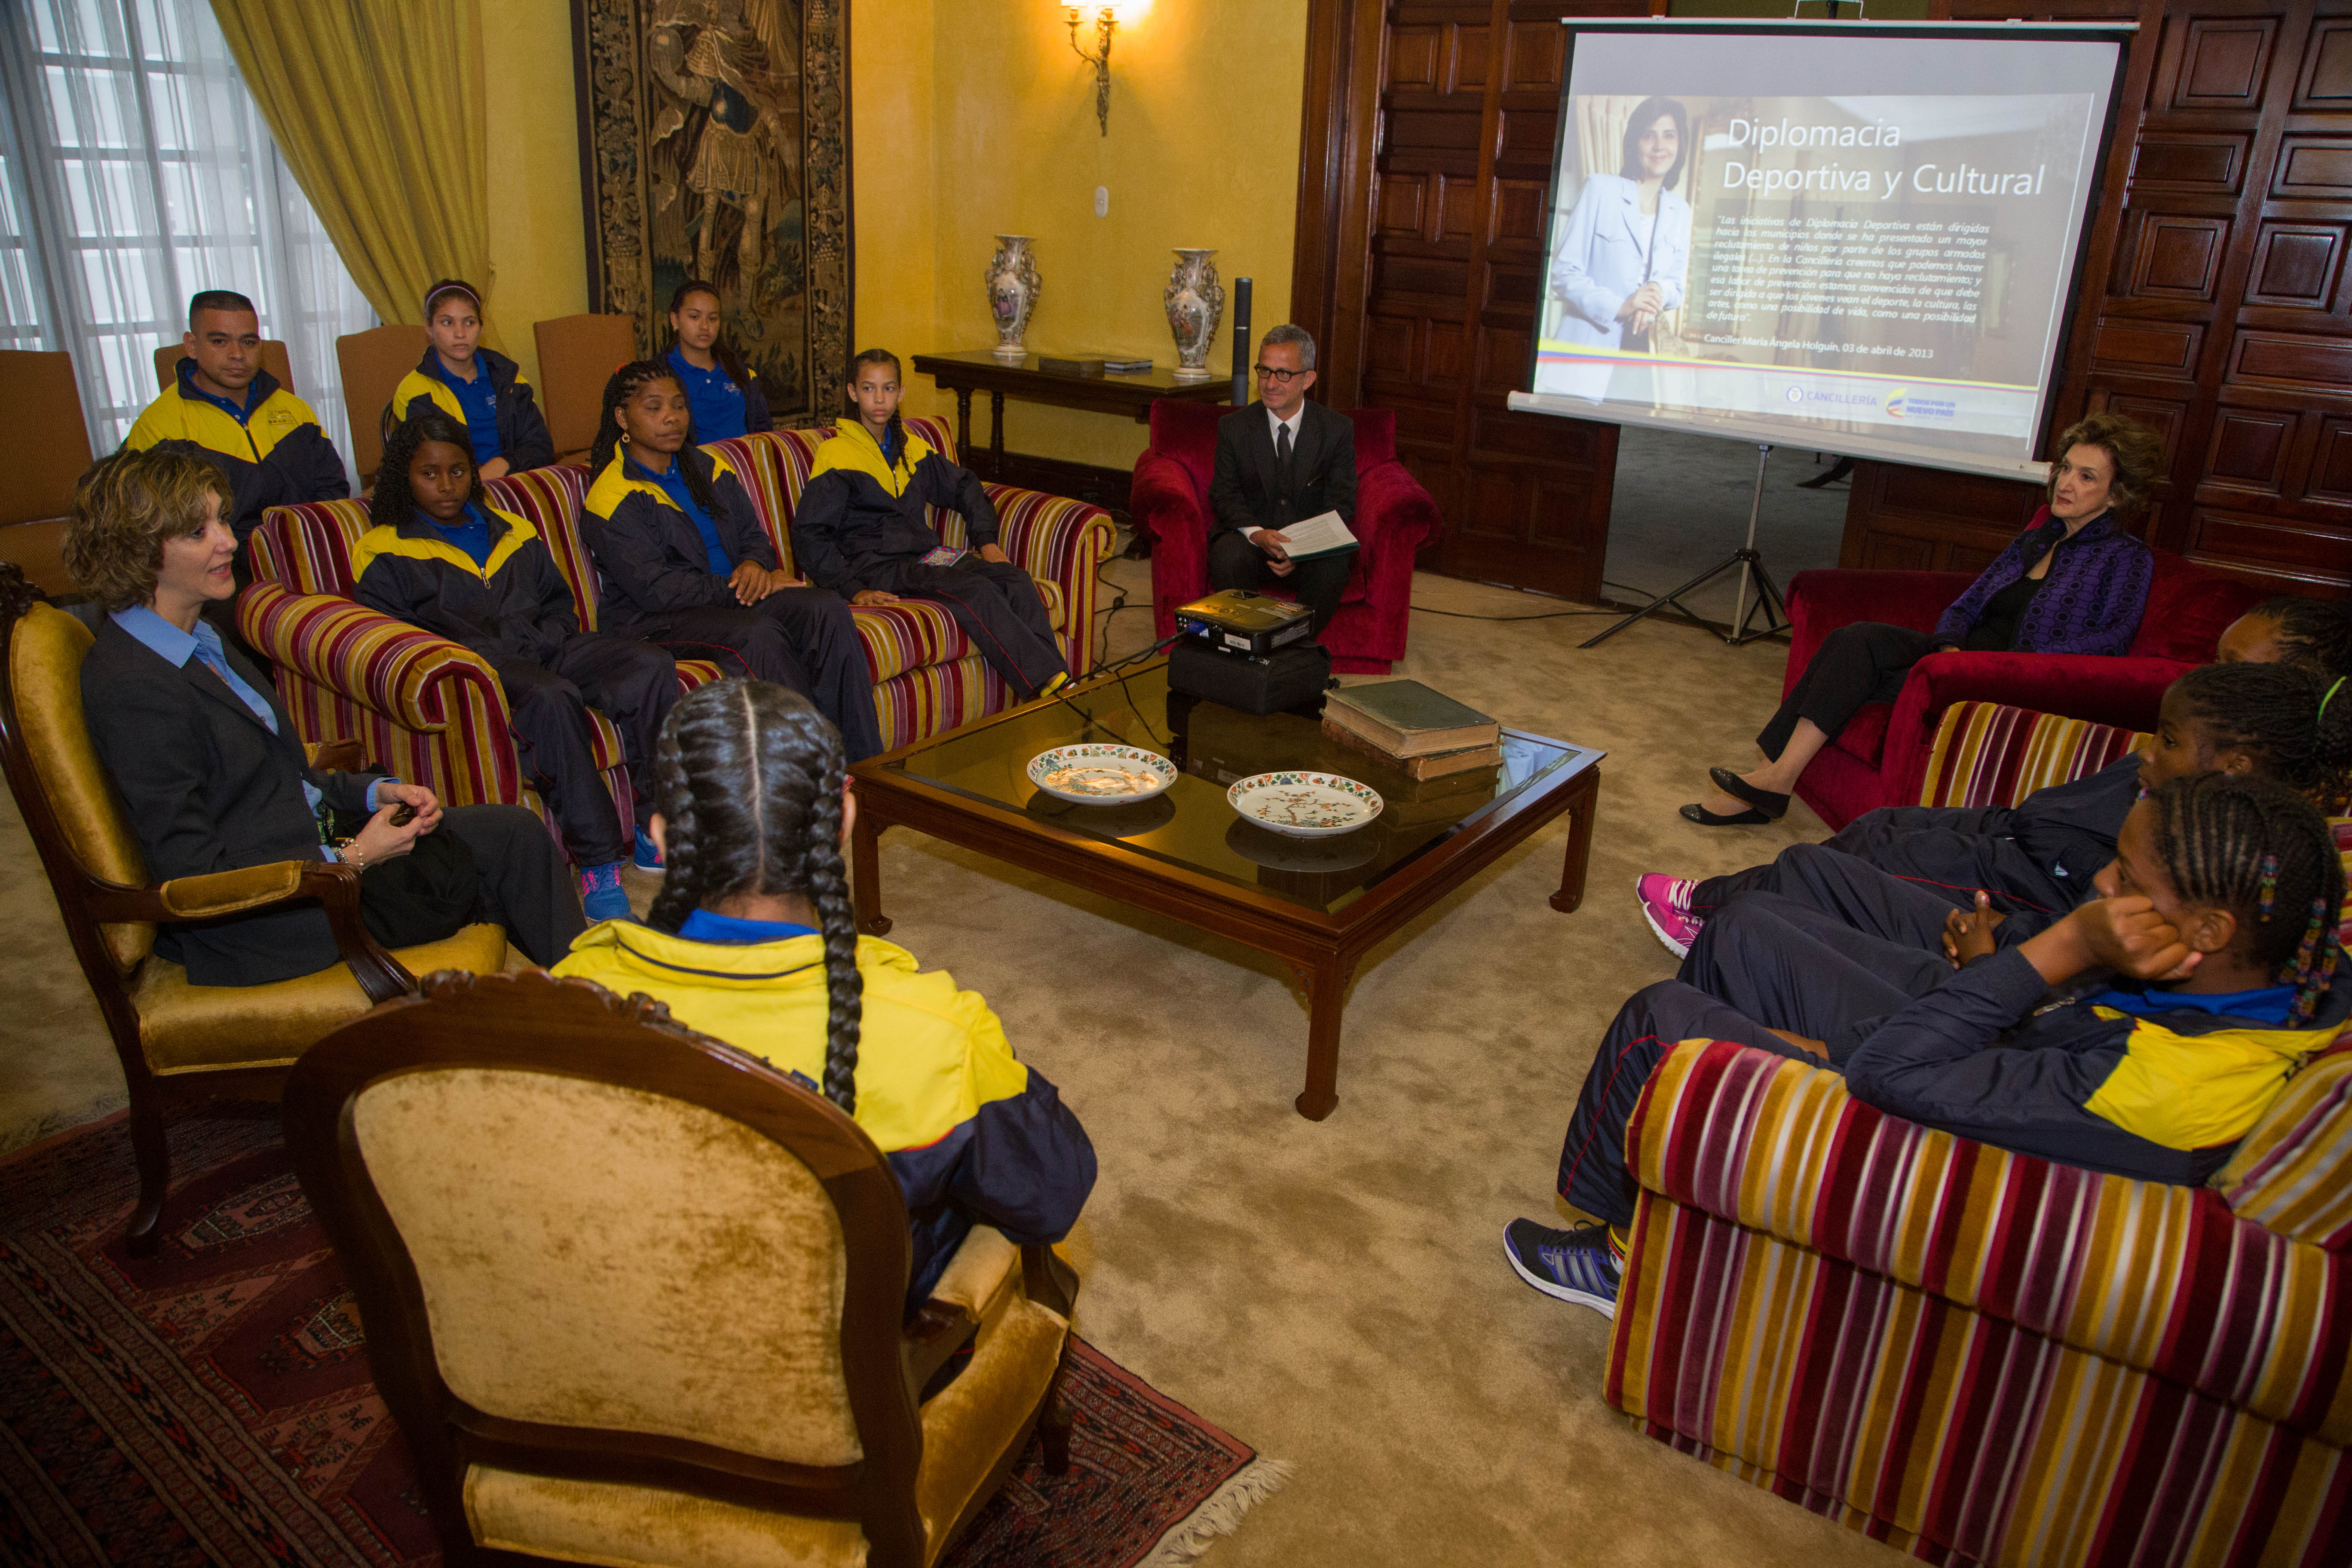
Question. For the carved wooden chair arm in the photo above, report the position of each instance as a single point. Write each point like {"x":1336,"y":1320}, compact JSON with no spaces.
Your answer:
{"x":250,"y":888}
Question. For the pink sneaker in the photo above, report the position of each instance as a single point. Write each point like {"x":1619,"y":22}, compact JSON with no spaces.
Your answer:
{"x":1666,"y":904}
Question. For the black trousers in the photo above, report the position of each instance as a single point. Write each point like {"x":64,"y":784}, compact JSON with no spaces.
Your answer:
{"x":1939,"y":853}
{"x":526,"y":886}
{"x":633,"y":683}
{"x":1857,"y":665}
{"x":799,"y":638}
{"x":999,"y":609}
{"x":1235,"y":563}
{"x":1789,"y":965}
{"x":1653,"y":1020}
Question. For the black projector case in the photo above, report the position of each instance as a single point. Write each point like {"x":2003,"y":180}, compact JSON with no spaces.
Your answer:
{"x":1286,"y":678}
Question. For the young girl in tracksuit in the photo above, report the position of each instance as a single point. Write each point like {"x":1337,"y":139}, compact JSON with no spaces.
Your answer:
{"x":687,"y":564}
{"x":751,"y":939}
{"x":481,"y":388}
{"x":860,"y":531}
{"x":2143,"y":1034}
{"x":441,"y":558}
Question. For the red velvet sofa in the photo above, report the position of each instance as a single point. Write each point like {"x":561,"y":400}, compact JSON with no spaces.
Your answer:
{"x":1882,"y":757}
{"x":1394,"y":517}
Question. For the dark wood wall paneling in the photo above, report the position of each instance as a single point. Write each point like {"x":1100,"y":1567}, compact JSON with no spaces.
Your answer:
{"x":2218,"y":308}
{"x":1430,"y":130}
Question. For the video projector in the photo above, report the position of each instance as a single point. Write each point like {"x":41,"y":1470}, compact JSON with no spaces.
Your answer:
{"x":1248,"y":651}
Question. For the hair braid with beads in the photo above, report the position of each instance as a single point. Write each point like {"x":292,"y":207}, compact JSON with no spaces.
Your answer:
{"x":2314,"y":634}
{"x":2277,"y":714}
{"x":2257,"y":849}
{"x":625,"y":383}
{"x":749,"y":777}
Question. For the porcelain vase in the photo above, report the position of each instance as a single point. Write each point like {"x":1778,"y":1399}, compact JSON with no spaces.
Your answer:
{"x":1196,"y":302}
{"x":1013,"y":291}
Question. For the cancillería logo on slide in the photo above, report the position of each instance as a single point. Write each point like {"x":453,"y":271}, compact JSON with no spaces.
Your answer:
{"x":1910,"y":405}
{"x":1828,"y":394}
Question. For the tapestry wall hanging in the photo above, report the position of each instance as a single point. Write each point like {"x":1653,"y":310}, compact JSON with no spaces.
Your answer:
{"x":715,"y":144}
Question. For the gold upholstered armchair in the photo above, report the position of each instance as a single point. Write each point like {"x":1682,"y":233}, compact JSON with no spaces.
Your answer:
{"x":181,"y":1045}
{"x":635,"y":1297}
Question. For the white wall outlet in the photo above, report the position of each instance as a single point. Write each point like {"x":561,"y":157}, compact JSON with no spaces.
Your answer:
{"x":1102,"y":200}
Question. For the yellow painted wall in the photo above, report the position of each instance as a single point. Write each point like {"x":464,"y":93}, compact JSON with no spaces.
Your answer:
{"x":538,"y":247}
{"x":1203,"y":150}
{"x":971,"y":118}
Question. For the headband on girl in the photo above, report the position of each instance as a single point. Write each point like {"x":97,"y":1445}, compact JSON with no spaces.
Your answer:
{"x":2325,"y":700}
{"x":446,"y":289}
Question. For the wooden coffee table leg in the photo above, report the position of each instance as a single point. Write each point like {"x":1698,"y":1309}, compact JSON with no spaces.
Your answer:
{"x":866,"y":874}
{"x":1580,"y":813}
{"x":1326,"y":1000}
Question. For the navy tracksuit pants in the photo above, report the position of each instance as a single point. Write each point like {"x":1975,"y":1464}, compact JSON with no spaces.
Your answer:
{"x":1943,"y":851}
{"x":998,"y":607}
{"x":798,"y":637}
{"x":631,"y":683}
{"x":1767,"y":961}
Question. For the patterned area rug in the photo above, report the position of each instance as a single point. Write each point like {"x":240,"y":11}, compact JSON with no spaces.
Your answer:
{"x":213,"y":1403}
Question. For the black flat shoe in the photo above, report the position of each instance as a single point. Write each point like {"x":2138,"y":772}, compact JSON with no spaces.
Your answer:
{"x":1696,"y":813}
{"x":1774,"y":806}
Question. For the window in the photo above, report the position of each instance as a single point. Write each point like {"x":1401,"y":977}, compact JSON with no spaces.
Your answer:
{"x":136,"y":170}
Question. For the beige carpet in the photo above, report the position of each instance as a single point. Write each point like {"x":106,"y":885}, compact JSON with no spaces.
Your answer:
{"x":1334,"y":1293}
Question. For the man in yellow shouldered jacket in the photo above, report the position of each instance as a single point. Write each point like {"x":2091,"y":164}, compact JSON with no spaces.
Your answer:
{"x":224,"y":408}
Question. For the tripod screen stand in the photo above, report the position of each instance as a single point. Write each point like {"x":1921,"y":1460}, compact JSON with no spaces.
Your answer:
{"x":1750,"y":565}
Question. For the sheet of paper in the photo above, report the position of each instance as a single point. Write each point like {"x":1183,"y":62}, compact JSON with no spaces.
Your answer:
{"x":1317,"y":535}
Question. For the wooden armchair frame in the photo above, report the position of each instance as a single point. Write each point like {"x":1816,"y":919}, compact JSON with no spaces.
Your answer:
{"x":532,"y":1022}
{"x":88,"y":901}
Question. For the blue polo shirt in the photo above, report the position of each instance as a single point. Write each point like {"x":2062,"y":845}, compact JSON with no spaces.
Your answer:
{"x":470,"y":532}
{"x":702,"y":925}
{"x":673,"y":484}
{"x":712,"y":395}
{"x":237,"y":412}
{"x":479,"y":399}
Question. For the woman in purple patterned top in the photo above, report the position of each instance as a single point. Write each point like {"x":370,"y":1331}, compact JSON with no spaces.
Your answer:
{"x":2074,"y":581}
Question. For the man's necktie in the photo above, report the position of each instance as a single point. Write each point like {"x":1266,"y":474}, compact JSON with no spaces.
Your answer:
{"x":1282,"y":455}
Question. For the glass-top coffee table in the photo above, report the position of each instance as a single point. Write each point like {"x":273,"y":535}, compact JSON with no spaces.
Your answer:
{"x":1316,"y":904}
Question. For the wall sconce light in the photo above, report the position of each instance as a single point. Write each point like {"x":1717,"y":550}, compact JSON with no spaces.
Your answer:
{"x":1106,"y":23}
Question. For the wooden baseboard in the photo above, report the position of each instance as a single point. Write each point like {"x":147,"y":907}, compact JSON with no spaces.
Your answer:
{"x":1104,"y":487}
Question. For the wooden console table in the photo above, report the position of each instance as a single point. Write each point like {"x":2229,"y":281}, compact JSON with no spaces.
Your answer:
{"x":968,"y":371}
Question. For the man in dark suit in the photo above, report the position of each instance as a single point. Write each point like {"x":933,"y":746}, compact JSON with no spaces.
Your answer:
{"x":1279,"y":462}
{"x":208,"y":763}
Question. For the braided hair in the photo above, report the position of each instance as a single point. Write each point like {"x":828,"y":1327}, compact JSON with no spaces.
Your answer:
{"x":2255,"y":847}
{"x":747,"y":776}
{"x":720,"y":349}
{"x":627,"y":383}
{"x":2314,"y":634}
{"x":2279,"y":715}
{"x":895,"y":438}
{"x":393,"y":502}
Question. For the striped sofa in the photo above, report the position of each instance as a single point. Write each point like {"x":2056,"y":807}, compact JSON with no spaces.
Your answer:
{"x":433,"y":712}
{"x":1982,"y":1357}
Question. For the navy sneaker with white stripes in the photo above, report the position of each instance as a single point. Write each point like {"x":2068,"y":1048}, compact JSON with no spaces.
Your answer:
{"x":1576,"y":1265}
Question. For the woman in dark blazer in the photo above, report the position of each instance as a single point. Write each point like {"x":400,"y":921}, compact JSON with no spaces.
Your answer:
{"x":2074,"y":581}
{"x":208,"y":763}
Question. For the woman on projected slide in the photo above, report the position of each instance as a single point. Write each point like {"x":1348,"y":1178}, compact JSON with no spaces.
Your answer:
{"x":1625,"y":254}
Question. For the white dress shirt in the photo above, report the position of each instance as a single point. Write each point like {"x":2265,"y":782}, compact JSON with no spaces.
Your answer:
{"x":1274,"y":427}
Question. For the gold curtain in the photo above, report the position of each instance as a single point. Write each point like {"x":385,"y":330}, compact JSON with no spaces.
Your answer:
{"x":379,"y":108}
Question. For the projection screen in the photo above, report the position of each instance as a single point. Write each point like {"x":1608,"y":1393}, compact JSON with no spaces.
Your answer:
{"x":1862,"y":237}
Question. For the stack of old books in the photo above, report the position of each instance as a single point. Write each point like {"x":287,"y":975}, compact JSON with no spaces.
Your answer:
{"x":1422,"y":733}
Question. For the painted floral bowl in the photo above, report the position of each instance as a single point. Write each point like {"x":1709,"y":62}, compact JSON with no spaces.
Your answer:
{"x":1101,"y":774}
{"x":1304,"y":805}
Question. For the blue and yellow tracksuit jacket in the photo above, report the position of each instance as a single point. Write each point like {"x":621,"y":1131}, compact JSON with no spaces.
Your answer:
{"x":974,"y":1136}
{"x":651,"y":555}
{"x":523,"y":439}
{"x":2160,"y":1090}
{"x":861,"y":515}
{"x":277,"y":456}
{"x":515,"y":605}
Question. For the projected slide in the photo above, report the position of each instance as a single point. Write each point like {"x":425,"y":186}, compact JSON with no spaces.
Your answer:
{"x":1862,"y":243}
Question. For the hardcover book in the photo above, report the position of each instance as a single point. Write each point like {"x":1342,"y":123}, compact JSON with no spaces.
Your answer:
{"x":1434,"y":764}
{"x":1406,"y":719}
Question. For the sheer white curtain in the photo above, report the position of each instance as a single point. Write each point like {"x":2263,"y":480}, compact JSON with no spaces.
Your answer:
{"x":134,"y":172}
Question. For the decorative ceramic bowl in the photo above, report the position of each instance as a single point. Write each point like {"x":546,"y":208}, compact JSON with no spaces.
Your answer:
{"x":1101,"y":774}
{"x":1304,"y":805}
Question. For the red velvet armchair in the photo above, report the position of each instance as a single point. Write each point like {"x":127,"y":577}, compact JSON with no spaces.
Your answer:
{"x":1882,"y":757}
{"x":1394,"y":517}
